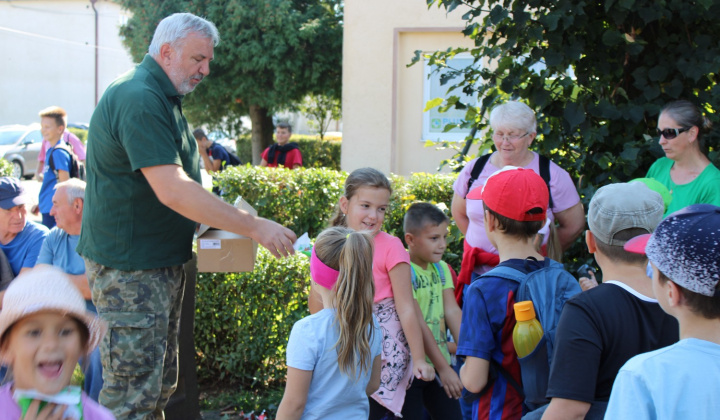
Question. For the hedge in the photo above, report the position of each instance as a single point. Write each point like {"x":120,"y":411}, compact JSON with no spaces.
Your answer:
{"x":242,"y":321}
{"x":316,"y":153}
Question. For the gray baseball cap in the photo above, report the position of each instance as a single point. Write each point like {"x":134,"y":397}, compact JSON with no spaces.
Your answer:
{"x":12,"y":193}
{"x":617,"y":207}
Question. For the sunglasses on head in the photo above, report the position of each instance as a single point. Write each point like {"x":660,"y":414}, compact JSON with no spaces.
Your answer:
{"x":671,"y":133}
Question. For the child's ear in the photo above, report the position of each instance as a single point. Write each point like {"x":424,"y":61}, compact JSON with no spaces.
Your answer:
{"x":409,"y":239}
{"x":590,"y":241}
{"x":344,"y":205}
{"x":490,"y":221}
{"x":674,"y":297}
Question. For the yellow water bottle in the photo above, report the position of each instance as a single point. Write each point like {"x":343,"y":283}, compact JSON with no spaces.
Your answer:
{"x":527,"y":332}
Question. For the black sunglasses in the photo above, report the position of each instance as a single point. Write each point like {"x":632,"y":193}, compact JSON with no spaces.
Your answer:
{"x":671,"y":133}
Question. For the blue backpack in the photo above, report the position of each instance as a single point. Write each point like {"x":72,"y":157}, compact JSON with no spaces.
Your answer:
{"x":548,"y":288}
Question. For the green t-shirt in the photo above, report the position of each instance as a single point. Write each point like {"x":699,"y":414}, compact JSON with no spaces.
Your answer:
{"x":705,"y":189}
{"x":429,"y":295}
{"x":137,"y":124}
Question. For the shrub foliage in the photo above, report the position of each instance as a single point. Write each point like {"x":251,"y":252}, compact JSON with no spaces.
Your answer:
{"x":243,"y":320}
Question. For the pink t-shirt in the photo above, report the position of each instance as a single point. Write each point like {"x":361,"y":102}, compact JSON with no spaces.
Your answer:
{"x":389,"y":252}
{"x":9,"y":410}
{"x":69,"y":138}
{"x":563,"y":192}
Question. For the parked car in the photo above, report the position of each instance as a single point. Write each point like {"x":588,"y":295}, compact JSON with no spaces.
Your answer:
{"x":20,"y":145}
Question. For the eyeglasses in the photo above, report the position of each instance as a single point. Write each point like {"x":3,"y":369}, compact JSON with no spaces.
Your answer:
{"x":671,"y":133}
{"x":509,"y":138}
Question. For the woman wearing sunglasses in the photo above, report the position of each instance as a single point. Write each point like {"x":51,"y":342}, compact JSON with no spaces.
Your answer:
{"x":685,"y":170}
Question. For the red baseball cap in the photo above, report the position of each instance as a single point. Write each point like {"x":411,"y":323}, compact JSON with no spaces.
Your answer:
{"x":513,"y":192}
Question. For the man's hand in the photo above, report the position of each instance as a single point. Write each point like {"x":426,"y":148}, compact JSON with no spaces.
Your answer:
{"x":35,"y":209}
{"x":450,"y":382}
{"x":277,"y":239}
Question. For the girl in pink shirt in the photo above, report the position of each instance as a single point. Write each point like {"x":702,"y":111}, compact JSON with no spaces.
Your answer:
{"x":363,"y":207}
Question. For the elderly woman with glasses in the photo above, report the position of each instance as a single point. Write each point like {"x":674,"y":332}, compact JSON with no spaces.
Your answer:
{"x":514,"y":129}
{"x":685,"y":170}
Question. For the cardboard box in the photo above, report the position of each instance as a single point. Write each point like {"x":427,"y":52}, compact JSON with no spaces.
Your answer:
{"x":219,"y":251}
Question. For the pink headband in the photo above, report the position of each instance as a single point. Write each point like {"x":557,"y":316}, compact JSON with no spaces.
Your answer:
{"x":321,"y":273}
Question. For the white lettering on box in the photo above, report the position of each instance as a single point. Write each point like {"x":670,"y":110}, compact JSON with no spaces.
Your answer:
{"x":210,"y":244}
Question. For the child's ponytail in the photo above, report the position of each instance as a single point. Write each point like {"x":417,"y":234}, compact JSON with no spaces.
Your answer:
{"x":351,"y":253}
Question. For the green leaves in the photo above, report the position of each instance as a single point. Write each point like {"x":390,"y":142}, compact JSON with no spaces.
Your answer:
{"x":574,"y":114}
{"x":432,"y":103}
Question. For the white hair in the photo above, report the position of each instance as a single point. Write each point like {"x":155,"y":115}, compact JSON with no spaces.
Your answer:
{"x":513,"y":114}
{"x":177,"y":27}
{"x":74,"y":188}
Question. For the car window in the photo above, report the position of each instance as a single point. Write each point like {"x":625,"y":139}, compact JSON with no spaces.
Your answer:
{"x":9,"y":137}
{"x":34,"y":136}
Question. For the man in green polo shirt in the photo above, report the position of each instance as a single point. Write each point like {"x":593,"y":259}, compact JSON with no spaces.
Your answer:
{"x":143,"y":198}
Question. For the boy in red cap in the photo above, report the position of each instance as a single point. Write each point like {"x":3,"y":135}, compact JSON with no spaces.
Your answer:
{"x":515,"y":202}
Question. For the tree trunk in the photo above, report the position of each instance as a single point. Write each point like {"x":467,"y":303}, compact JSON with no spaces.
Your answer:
{"x":262,"y":131}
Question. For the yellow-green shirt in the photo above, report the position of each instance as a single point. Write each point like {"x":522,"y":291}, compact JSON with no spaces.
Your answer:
{"x":428,"y":291}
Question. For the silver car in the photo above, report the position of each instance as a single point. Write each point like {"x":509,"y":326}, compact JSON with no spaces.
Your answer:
{"x":20,"y":145}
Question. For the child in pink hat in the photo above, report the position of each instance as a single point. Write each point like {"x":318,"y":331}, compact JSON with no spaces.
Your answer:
{"x":44,"y":330}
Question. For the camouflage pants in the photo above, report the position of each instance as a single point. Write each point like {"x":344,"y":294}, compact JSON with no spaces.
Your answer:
{"x":139,"y":351}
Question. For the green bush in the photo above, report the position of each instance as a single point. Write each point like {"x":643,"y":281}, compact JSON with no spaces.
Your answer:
{"x":316,"y":153}
{"x":5,"y":167}
{"x":300,"y":199}
{"x":243,"y":320}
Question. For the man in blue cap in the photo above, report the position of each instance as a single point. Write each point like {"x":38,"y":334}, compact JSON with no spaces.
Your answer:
{"x":20,"y":239}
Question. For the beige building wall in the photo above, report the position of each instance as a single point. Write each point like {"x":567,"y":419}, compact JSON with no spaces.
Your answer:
{"x":49,"y":56}
{"x":382,"y":98}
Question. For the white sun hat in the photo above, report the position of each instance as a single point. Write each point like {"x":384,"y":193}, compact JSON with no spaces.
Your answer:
{"x":47,"y":288}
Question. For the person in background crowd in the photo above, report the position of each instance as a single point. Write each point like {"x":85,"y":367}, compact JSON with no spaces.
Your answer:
{"x":282,"y":153}
{"x":52,"y":123}
{"x":685,"y":170}
{"x":20,"y":239}
{"x":214,"y":156}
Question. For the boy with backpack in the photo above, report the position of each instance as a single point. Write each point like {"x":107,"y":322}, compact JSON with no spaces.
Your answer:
{"x":515,"y":202}
{"x":426,"y":230}
{"x":52,"y":127}
{"x":679,"y":381}
{"x":215,"y":157}
{"x":600,"y":329}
